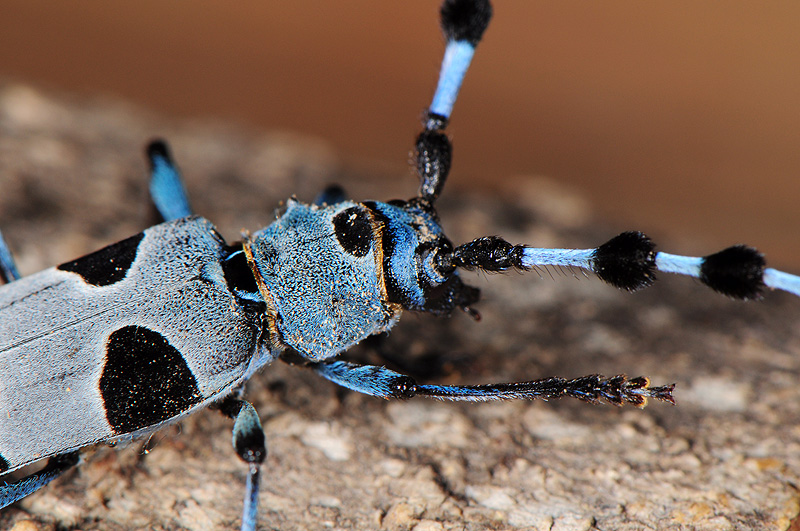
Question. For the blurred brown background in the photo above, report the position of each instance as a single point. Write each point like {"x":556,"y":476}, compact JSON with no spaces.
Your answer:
{"x":681,"y":119}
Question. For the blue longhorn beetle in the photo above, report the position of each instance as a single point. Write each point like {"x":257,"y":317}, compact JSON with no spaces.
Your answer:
{"x":135,"y":336}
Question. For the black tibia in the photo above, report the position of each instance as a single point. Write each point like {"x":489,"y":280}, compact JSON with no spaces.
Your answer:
{"x":248,"y":435}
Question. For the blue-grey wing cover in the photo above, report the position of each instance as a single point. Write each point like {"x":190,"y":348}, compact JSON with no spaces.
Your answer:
{"x":120,"y":342}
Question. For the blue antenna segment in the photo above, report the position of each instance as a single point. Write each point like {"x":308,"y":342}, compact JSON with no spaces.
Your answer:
{"x":533,"y":257}
{"x":457,"y":58}
{"x":680,"y":265}
{"x":779,"y":280}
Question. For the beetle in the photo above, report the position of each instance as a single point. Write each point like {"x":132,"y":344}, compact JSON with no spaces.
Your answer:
{"x":155,"y":327}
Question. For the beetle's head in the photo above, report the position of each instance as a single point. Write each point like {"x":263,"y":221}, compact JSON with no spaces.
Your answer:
{"x":416,"y":271}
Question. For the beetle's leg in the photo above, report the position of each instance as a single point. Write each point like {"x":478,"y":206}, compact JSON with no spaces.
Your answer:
{"x":381,"y":382}
{"x":250,"y":446}
{"x":8,"y":268}
{"x":56,"y":465}
{"x":166,"y":185}
{"x":331,"y":195}
{"x":629,"y":261}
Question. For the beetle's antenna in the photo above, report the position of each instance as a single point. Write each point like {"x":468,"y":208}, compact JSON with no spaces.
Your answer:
{"x":463,"y":23}
{"x":629,"y":261}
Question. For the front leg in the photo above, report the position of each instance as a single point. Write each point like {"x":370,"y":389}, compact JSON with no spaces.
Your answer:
{"x":384,"y":383}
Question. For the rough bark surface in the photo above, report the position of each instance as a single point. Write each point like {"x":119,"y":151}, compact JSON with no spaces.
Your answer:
{"x":72,"y":179}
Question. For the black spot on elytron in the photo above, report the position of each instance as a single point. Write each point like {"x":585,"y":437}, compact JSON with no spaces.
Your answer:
{"x":108,"y":265}
{"x":353,"y":229}
{"x":3,"y":464}
{"x":145,"y":380}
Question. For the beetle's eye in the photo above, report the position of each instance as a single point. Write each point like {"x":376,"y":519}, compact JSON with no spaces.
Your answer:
{"x":353,"y":229}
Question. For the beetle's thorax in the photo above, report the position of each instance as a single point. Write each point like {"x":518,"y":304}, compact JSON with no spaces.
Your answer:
{"x":334,"y":274}
{"x":324,"y":291}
